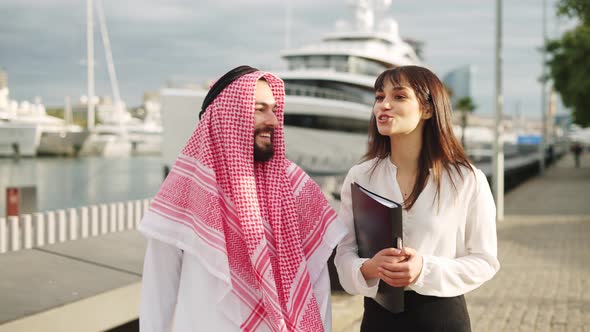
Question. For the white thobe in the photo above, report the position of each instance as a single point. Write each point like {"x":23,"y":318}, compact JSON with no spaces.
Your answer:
{"x":177,"y":290}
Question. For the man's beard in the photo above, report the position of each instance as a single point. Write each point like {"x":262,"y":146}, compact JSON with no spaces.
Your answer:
{"x":264,"y":153}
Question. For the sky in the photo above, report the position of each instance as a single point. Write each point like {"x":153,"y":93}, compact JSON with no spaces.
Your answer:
{"x":43,"y":43}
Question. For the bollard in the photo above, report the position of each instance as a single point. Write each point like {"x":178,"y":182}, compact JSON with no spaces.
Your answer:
{"x":94,"y":221}
{"x":3,"y":236}
{"x":145,"y":206}
{"x":62,"y":224}
{"x":137,"y":210}
{"x":51,"y":227}
{"x":73,"y":224}
{"x":39,"y":229}
{"x":84,"y":222}
{"x":104,"y":219}
{"x":27,"y":223}
{"x":120,"y":217}
{"x":14,"y":231}
{"x":130,"y":222}
{"x":112,"y":217}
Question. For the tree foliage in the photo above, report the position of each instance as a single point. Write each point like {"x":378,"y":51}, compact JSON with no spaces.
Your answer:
{"x":575,"y":9}
{"x":569,"y":63}
{"x":464,"y":105}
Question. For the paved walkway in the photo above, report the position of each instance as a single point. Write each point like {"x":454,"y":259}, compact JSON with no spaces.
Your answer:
{"x":543,"y":285}
{"x":544,"y":250}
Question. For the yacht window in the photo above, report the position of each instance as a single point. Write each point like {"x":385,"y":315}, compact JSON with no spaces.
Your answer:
{"x":318,"y":61}
{"x":365,"y":67}
{"x":330,"y":90}
{"x":325,"y":122}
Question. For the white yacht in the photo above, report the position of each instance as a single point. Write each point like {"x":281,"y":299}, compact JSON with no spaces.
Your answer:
{"x":117,"y":134}
{"x":109,"y":138}
{"x":146,"y":134}
{"x":329,"y":92}
{"x":329,"y":87}
{"x":330,"y":83}
{"x":58,"y":136}
{"x":27,"y":130}
{"x":16,"y":138}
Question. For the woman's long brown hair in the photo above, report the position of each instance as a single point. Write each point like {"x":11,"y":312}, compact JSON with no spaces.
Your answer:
{"x":440,"y":151}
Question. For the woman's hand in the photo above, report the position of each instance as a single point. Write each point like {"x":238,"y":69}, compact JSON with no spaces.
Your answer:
{"x":401,"y":273}
{"x":387,"y":256}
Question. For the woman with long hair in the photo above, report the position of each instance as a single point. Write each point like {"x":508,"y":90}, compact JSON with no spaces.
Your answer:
{"x":449,"y":215}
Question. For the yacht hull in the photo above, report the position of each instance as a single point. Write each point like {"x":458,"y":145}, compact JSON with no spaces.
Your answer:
{"x":61,"y":143}
{"x":19,"y":139}
{"x":146,"y":143}
{"x":110,"y":146}
{"x":327,"y":107}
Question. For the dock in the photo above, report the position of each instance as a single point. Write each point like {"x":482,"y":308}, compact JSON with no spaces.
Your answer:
{"x":82,"y":285}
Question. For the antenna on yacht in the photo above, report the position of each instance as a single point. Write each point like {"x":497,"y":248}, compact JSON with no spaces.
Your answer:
{"x":109,"y":56}
{"x":90,"y":63}
{"x":380,"y":8}
{"x":364,"y":15}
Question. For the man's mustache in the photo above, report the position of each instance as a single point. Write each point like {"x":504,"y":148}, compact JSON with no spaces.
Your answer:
{"x":270,"y":130}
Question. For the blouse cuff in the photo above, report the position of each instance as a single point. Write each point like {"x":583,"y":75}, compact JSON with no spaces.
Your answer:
{"x":365,"y":287}
{"x":426,"y":268}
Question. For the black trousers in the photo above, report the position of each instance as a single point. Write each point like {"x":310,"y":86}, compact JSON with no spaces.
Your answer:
{"x":422,"y":313}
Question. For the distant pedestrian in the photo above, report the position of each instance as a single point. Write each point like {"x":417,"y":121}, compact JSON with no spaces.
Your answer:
{"x":577,"y":151}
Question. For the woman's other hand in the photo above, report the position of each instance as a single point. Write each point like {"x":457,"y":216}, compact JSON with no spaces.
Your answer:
{"x":385,"y":257}
{"x":401,"y":273}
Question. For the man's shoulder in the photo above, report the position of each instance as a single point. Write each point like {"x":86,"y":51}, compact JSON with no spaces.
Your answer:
{"x":293,"y":170}
{"x":291,"y":167}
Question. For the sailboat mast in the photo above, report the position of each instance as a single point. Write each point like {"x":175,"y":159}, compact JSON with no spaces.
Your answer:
{"x":90,"y":62}
{"x":108,"y":55}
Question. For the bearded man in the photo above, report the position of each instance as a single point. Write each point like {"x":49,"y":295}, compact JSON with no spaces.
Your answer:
{"x":238,"y":236}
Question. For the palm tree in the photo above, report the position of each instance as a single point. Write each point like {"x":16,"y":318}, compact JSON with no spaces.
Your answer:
{"x":464,"y":105}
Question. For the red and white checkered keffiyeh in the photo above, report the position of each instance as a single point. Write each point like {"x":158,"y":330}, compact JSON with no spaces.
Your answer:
{"x":264,"y":228}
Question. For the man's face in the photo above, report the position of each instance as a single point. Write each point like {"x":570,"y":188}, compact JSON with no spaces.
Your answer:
{"x":265,"y":122}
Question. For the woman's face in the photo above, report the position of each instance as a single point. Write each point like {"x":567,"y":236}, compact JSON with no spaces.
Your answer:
{"x":397,"y":110}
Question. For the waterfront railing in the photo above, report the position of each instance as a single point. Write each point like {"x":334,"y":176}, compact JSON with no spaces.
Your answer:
{"x":44,"y":228}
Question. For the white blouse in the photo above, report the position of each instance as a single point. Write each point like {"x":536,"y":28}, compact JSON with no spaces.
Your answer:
{"x":177,"y":290}
{"x":457,"y":241}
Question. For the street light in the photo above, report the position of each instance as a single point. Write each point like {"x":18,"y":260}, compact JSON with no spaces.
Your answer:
{"x":498,"y":161}
{"x":543,"y":143}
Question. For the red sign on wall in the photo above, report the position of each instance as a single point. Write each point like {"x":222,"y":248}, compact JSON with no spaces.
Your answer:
{"x":12,"y":202}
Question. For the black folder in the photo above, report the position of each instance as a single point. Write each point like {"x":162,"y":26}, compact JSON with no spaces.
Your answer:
{"x":378,"y":225}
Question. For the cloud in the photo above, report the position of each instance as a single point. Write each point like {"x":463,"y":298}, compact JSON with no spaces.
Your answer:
{"x":43,"y":45}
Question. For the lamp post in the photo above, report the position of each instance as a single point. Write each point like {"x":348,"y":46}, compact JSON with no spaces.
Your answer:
{"x":498,"y":160}
{"x":543,"y":143}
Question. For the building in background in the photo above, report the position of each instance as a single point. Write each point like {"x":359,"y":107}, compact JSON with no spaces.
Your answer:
{"x":460,"y":82}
